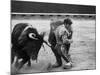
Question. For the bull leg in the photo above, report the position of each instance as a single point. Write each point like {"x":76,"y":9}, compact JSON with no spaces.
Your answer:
{"x":20,"y":65}
{"x":12,"y":55}
{"x":29,"y":63}
{"x":25,"y":58}
{"x":12,"y":58}
{"x":16,"y":63}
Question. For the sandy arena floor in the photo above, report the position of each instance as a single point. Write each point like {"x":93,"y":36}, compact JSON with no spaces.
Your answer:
{"x":83,"y":52}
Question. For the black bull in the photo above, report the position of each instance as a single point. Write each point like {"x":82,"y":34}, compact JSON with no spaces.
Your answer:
{"x":23,"y":45}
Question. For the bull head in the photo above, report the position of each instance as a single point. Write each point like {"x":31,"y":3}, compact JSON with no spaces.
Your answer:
{"x":42,"y":34}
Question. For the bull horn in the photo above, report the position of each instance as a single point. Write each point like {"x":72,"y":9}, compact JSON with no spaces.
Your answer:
{"x":43,"y":47}
{"x":33,"y":36}
{"x":47,"y":43}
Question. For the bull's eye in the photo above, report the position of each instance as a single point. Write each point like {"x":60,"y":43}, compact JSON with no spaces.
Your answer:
{"x":33,"y":35}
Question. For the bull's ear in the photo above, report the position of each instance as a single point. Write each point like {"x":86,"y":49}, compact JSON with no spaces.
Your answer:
{"x":32,"y":36}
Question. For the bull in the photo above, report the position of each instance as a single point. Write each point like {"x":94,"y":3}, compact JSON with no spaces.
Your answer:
{"x":26,"y":43}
